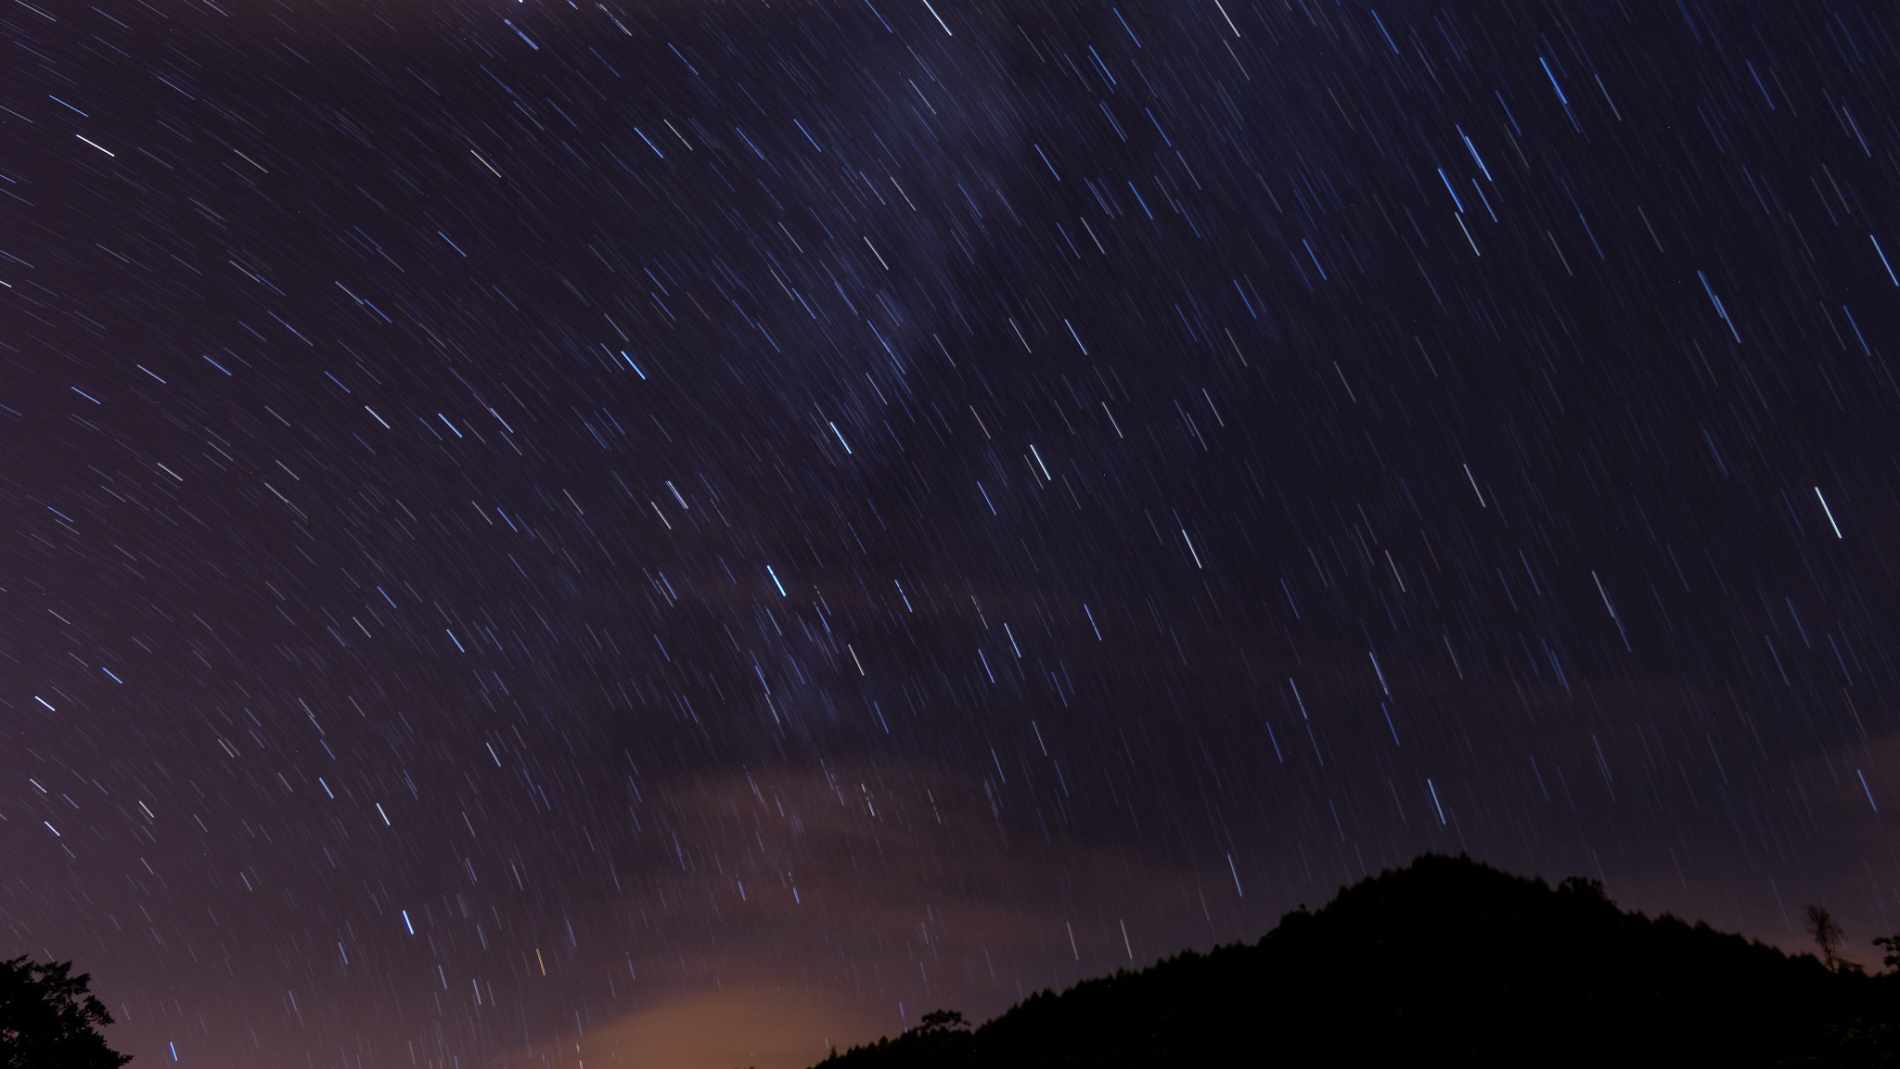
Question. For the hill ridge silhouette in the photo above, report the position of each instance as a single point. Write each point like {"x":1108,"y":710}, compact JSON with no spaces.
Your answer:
{"x":1452,"y":961}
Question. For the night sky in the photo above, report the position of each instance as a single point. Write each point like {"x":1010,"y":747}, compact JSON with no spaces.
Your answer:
{"x":680,"y":533}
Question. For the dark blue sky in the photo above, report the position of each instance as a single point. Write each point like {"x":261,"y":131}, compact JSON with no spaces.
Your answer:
{"x":694,"y":532}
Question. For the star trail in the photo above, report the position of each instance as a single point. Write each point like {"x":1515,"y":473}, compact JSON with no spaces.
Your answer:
{"x":690,"y":532}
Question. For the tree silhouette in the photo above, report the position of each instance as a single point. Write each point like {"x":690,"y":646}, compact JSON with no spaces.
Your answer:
{"x":1890,"y":944}
{"x":48,"y":1017}
{"x":942,"y":1021}
{"x":1826,"y":935}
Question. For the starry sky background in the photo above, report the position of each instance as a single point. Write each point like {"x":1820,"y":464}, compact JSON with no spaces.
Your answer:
{"x":684,"y":533}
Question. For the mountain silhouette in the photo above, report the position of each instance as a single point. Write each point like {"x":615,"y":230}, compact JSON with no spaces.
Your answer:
{"x":1445,"y":961}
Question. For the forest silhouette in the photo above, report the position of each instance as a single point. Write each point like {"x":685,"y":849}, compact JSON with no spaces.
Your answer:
{"x":1444,"y":961}
{"x":1451,"y":962}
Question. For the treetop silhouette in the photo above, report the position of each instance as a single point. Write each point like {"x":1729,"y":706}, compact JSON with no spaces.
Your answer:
{"x":49,"y":1019}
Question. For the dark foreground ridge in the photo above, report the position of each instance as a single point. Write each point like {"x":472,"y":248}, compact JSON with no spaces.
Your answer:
{"x":1450,"y":962}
